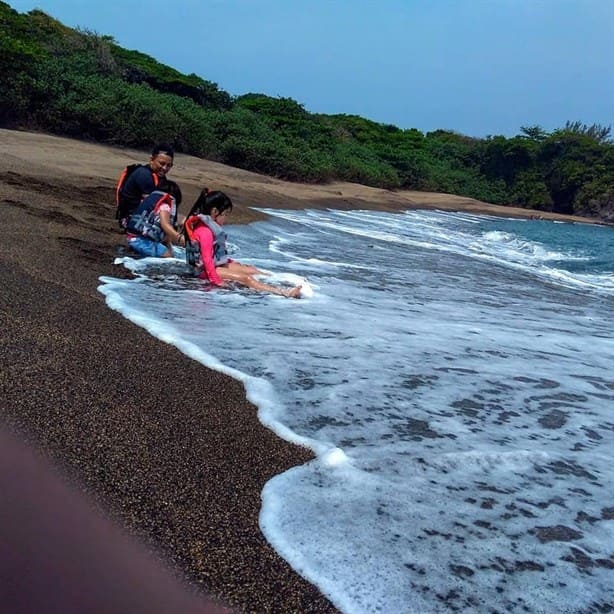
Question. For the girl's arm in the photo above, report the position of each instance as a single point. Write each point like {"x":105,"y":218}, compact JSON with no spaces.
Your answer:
{"x":171,"y":234}
{"x":205,"y":240}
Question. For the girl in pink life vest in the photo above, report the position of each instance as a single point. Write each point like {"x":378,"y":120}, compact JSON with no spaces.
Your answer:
{"x":206,"y":247}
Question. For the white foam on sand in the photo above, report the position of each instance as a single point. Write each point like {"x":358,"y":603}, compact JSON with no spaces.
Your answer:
{"x":456,"y":386}
{"x":289,"y":279}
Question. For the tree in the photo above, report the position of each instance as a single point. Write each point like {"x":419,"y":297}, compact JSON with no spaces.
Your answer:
{"x":534,"y":133}
{"x":601,"y":134}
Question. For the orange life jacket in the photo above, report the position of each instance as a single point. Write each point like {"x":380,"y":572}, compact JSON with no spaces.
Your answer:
{"x":124,"y":208}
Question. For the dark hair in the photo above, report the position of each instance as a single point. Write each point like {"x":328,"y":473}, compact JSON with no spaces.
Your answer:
{"x":172,"y":187}
{"x":163,"y":148}
{"x":207,"y":201}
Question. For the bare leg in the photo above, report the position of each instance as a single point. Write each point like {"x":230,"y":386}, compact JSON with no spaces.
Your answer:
{"x":169,"y":250}
{"x":237,"y":267}
{"x":247,"y":280}
{"x":294,"y":292}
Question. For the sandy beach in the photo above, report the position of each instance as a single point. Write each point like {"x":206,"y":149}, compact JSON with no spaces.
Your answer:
{"x":171,"y":451}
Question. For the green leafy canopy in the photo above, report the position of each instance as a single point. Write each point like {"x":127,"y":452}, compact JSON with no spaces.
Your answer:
{"x":79,"y":83}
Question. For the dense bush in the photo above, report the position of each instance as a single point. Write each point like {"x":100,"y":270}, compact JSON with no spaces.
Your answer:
{"x":82,"y":84}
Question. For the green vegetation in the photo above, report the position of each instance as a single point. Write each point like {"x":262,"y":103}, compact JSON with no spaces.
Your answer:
{"x":81,"y":84}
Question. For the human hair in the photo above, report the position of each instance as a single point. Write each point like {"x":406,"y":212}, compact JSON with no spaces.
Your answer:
{"x":163,"y":148}
{"x":207,"y":201}
{"x":172,"y":188}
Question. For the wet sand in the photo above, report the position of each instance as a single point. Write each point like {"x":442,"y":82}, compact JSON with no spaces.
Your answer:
{"x":169,"y":450}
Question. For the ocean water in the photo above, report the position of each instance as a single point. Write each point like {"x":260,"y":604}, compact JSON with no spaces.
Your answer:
{"x":453,"y":374}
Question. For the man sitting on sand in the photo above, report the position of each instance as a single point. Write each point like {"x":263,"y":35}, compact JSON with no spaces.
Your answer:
{"x":143,"y":180}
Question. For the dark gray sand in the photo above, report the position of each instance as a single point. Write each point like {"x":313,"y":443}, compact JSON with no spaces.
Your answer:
{"x":169,"y":449}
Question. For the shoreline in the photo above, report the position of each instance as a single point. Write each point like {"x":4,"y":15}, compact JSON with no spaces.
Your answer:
{"x":82,"y":387}
{"x":35,"y":154}
{"x":82,"y":384}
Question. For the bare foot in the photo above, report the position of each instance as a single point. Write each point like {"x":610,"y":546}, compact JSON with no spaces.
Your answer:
{"x":294,"y":292}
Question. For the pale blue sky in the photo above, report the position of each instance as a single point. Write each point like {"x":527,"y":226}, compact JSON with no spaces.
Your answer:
{"x":478,"y":67}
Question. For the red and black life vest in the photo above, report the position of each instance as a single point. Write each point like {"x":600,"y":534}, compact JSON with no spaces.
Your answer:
{"x":126,"y":206}
{"x":192,"y":246}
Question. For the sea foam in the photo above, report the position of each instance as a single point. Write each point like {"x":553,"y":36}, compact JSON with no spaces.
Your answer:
{"x":452,"y":374}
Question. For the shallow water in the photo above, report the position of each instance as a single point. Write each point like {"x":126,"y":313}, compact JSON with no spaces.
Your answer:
{"x":454,"y":375}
